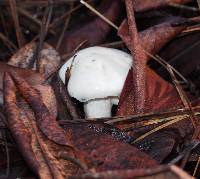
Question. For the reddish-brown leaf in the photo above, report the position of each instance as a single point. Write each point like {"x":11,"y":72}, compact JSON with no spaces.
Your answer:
{"x":53,"y":131}
{"x":41,"y":154}
{"x":155,"y":37}
{"x":48,"y":62}
{"x":21,"y":134}
{"x":149,"y":4}
{"x":160,"y":95}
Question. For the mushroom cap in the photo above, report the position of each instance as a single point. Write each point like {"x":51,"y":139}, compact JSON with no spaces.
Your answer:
{"x":96,"y":72}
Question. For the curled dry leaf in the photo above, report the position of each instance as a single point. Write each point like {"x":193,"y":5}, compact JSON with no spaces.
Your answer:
{"x":47,"y":94}
{"x":40,"y":153}
{"x":34,"y":79}
{"x":145,"y":5}
{"x":19,"y":131}
{"x":30,"y":76}
{"x":155,"y":37}
{"x":48,"y":62}
{"x":94,"y":32}
{"x":53,"y":132}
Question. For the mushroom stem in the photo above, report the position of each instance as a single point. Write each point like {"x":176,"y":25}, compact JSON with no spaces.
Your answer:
{"x":98,"y":108}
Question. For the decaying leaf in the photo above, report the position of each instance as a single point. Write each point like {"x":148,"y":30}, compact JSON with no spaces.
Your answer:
{"x":160,"y":95}
{"x":40,"y":153}
{"x":53,"y":132}
{"x":48,"y":62}
{"x":155,"y":37}
{"x":30,"y":76}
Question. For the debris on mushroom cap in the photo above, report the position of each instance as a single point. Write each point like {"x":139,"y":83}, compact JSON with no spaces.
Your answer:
{"x":48,"y":62}
{"x":96,"y":72}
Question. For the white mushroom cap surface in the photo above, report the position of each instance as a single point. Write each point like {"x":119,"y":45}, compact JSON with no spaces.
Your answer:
{"x":96,"y":72}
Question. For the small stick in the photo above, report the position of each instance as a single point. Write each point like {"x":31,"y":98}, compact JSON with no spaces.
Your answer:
{"x":43,"y":33}
{"x":139,"y":61}
{"x":20,"y":38}
{"x":30,"y":17}
{"x":181,"y":6}
{"x":64,"y":28}
{"x":196,"y":168}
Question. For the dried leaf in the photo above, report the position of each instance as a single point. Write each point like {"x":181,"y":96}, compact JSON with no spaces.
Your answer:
{"x":160,"y":95}
{"x":41,"y":154}
{"x":53,"y":132}
{"x":48,"y":62}
{"x":17,"y":127}
{"x":155,"y":37}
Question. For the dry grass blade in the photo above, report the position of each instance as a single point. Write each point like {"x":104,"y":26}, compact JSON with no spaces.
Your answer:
{"x":43,"y":32}
{"x":165,"y":64}
{"x":175,"y":120}
{"x":189,"y":30}
{"x":196,"y":168}
{"x":184,"y":7}
{"x":64,"y":28}
{"x":99,"y":14}
{"x":183,"y":97}
{"x":20,"y":38}
{"x":57,"y":21}
{"x":31,"y":18}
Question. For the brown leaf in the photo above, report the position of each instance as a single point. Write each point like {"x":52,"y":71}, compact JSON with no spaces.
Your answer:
{"x":30,"y":76}
{"x":17,"y":127}
{"x":160,"y":95}
{"x":155,"y":37}
{"x":48,"y":62}
{"x":102,"y":151}
{"x":53,"y":132}
{"x":48,"y":97}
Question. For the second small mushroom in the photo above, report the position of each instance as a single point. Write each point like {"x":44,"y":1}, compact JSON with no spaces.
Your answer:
{"x":97,"y":76}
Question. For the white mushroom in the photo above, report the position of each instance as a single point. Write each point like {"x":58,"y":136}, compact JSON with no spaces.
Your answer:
{"x":97,"y":76}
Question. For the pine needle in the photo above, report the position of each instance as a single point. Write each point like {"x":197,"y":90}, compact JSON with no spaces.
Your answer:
{"x":196,"y":168}
{"x":176,"y":119}
{"x":99,"y":14}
